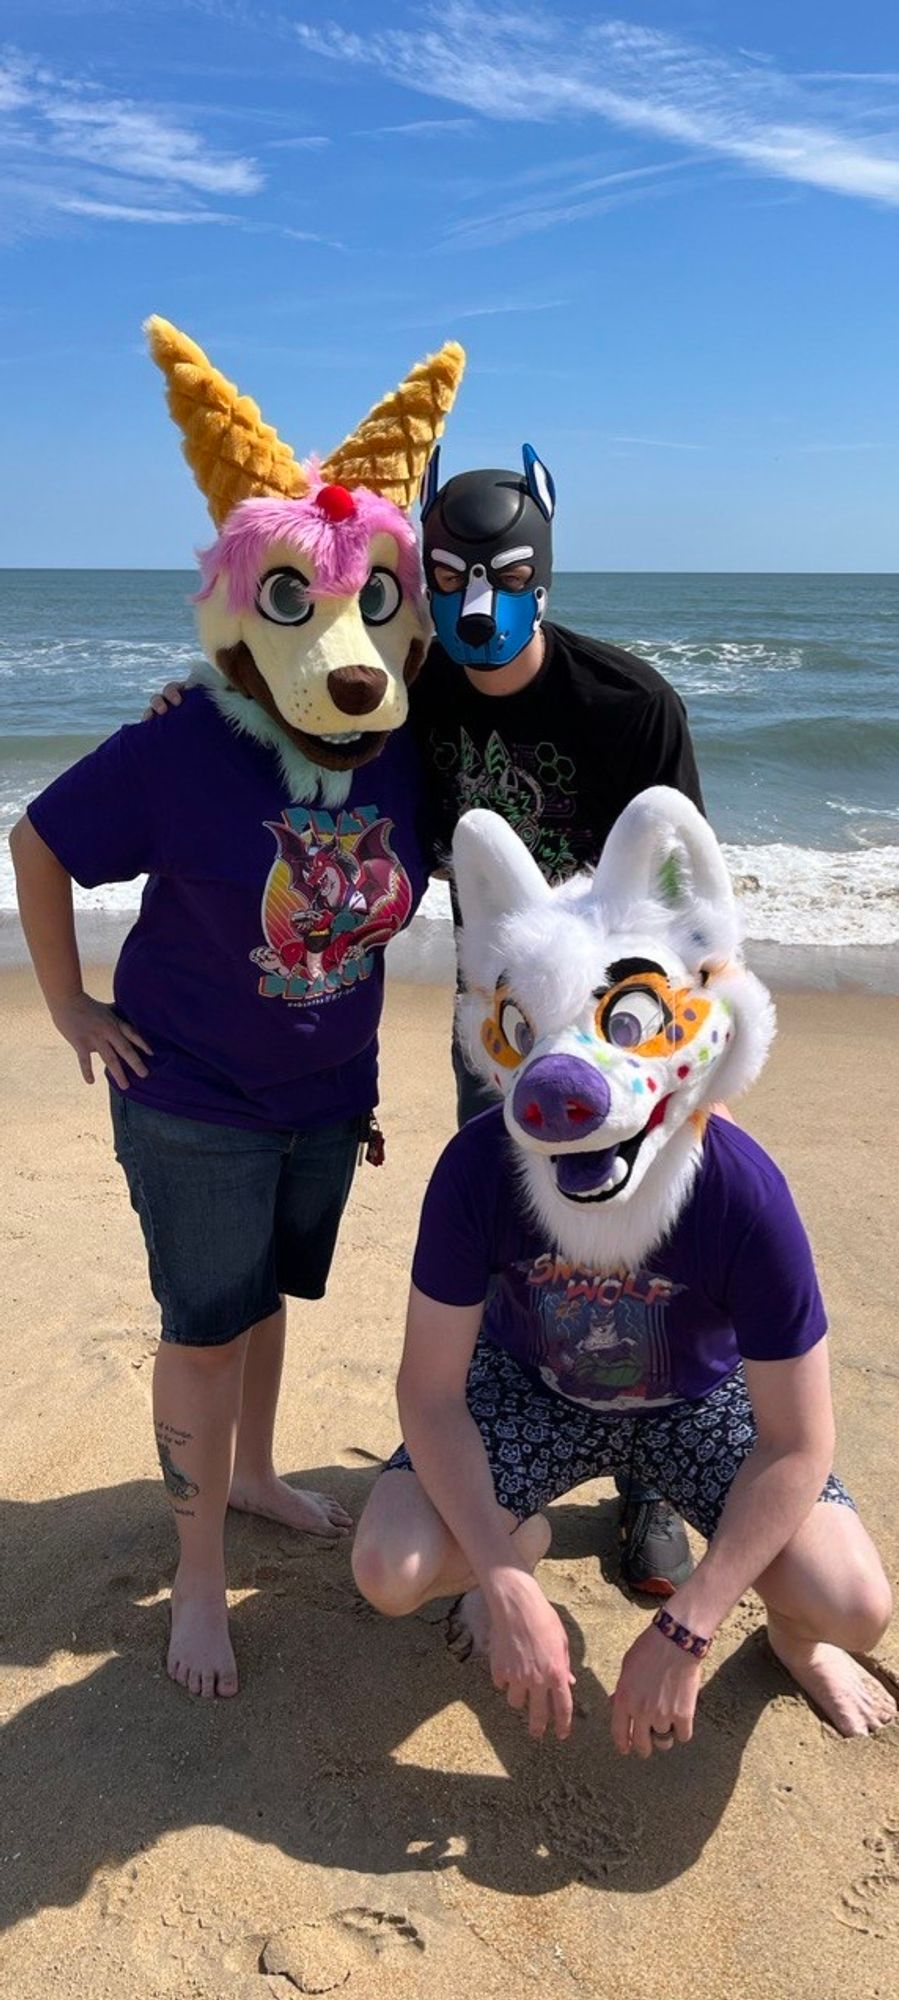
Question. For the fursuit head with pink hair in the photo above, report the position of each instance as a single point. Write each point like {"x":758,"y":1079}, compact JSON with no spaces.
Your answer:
{"x":312,"y":613}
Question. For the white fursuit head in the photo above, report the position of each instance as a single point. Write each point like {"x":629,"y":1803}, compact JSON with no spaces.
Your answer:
{"x":611,"y":1013}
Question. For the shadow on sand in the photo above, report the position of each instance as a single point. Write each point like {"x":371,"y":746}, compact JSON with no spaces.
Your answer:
{"x":306,"y":1757}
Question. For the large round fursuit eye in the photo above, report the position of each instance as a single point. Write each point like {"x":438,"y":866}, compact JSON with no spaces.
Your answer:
{"x":283,"y":597}
{"x":518,"y":1032}
{"x":380,"y":597}
{"x":636,"y":1016}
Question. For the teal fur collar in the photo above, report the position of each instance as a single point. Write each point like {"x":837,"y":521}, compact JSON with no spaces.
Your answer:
{"x":307,"y":783}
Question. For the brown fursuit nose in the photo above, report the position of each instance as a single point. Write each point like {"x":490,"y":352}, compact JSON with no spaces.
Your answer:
{"x":357,"y":690}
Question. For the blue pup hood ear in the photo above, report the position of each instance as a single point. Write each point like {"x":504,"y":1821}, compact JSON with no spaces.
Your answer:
{"x":539,"y":481}
{"x":430,"y":484}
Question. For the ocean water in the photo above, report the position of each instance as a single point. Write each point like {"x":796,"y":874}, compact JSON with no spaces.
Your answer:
{"x":791,"y":684}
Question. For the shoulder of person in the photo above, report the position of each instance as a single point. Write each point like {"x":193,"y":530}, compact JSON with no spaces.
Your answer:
{"x":737,"y":1172}
{"x":195,"y":715}
{"x":198,"y":733}
{"x":606,"y":666}
{"x":471,"y":1160}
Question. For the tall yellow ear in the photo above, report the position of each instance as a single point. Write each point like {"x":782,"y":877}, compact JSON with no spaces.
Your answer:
{"x":391,"y":447}
{"x":232,"y":454}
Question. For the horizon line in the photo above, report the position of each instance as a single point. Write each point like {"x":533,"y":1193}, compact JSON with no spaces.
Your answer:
{"x":169,"y":569}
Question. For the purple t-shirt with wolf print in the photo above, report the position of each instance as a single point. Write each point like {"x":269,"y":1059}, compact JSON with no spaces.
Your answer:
{"x":735,"y":1277}
{"x":255,"y":969}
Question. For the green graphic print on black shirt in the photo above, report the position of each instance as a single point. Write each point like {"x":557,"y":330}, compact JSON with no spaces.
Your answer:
{"x":559,"y":760}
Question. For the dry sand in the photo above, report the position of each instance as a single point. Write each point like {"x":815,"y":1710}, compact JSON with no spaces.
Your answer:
{"x":368,"y":1815}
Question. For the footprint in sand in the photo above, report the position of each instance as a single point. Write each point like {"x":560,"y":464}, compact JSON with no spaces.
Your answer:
{"x":311,"y":1957}
{"x":871,"y":1904}
{"x":381,"y":1929}
{"x":340,"y":1792}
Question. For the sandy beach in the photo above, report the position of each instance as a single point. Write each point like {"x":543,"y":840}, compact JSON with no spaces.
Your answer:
{"x":368,"y":1816}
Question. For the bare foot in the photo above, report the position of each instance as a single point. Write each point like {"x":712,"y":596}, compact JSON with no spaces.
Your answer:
{"x":200,"y":1657}
{"x":310,"y":1513}
{"x":468,"y":1623}
{"x":845,"y":1692}
{"x":468,"y":1626}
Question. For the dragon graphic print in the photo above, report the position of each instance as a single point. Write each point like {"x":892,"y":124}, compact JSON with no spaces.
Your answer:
{"x":335,"y":892}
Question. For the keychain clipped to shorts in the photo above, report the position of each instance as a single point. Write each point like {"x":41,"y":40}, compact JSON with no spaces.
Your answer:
{"x":372,"y":1146}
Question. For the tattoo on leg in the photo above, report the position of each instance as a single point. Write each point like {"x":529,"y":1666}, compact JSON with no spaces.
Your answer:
{"x":176,"y":1482}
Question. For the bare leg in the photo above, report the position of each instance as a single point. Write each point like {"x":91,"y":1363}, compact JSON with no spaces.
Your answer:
{"x":255,"y":1486}
{"x":196,"y":1407}
{"x":827,"y":1598}
{"x":404,"y":1555}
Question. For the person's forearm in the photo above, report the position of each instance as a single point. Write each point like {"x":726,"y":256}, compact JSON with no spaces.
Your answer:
{"x":45,"y":906}
{"x":772,"y":1494}
{"x":448,"y":1453}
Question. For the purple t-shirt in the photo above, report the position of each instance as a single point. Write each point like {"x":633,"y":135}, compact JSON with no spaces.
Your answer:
{"x":734,"y":1278}
{"x":255,"y":969}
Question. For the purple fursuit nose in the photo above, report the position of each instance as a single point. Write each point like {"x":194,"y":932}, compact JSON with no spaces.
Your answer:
{"x":560,"y":1098}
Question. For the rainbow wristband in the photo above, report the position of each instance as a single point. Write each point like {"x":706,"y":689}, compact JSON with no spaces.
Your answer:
{"x":680,"y":1635}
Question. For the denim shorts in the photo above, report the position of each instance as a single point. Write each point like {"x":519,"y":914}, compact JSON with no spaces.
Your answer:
{"x":232,"y":1218}
{"x":540,"y":1445}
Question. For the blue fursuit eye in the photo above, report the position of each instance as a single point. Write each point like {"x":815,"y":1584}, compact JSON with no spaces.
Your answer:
{"x":283,"y":597}
{"x":380,"y":598}
{"x":517,"y":1030}
{"x":624,"y":1031}
{"x":637,"y":1017}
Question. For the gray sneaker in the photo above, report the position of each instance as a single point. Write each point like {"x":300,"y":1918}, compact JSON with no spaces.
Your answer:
{"x":654,"y":1552}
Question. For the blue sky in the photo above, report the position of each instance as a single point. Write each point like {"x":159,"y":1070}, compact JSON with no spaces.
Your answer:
{"x":668,"y":236}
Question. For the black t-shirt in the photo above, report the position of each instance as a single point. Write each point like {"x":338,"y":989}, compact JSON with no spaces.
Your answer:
{"x":561,"y":759}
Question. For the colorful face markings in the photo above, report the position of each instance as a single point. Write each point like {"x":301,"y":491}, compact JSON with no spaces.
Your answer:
{"x":645,"y":1014}
{"x":649,"y":1015}
{"x":507,"y":1034}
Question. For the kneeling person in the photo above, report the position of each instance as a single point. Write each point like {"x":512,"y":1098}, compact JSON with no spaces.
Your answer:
{"x":608,"y":1279}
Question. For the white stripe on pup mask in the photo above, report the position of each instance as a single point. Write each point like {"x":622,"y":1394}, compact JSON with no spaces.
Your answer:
{"x":478,"y":599}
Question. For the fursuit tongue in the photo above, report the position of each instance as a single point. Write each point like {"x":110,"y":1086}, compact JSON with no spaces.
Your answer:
{"x":584,"y":1173}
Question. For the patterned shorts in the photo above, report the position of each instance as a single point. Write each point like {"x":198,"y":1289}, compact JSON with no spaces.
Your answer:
{"x":540,"y":1446}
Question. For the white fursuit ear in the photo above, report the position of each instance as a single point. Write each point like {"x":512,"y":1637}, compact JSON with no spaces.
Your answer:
{"x":663,"y":853}
{"x":495,"y":874}
{"x":496,"y":877}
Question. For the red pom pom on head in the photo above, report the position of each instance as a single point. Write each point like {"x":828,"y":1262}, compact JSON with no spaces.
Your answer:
{"x":335,"y":502}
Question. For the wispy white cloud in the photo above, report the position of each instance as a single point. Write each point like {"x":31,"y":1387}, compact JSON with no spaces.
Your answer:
{"x":849,"y":76}
{"x":415,"y":128}
{"x":145,"y":144}
{"x":69,"y":148}
{"x":307,"y":142}
{"x":594,"y":195}
{"x":299,"y":235}
{"x":512,"y":306}
{"x":116,"y":211}
{"x":13,"y":94}
{"x":541,"y":68}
